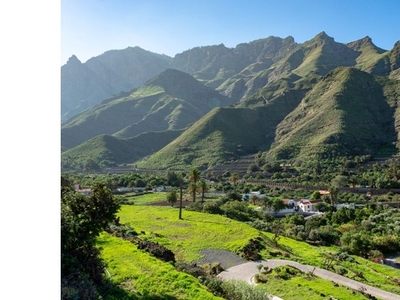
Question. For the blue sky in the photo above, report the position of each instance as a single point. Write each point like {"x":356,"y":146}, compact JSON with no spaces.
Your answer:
{"x":91,"y":27}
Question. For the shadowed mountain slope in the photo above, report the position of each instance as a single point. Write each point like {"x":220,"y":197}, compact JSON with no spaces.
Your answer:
{"x":105,"y":150}
{"x":172,"y":100}
{"x":84,"y":85}
{"x":291,"y":101}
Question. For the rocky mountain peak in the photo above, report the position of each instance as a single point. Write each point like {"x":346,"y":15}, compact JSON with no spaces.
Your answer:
{"x":73,"y":60}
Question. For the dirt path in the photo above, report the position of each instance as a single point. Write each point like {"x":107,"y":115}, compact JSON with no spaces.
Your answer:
{"x":247,"y":271}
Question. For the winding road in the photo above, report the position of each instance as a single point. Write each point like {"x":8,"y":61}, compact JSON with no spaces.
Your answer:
{"x":247,"y":271}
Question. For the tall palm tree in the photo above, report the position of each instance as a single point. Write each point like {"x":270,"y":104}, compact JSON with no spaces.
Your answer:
{"x":203,"y":189}
{"x":333,"y":193}
{"x":180,"y":182}
{"x":234,"y":179}
{"x":194,"y":178}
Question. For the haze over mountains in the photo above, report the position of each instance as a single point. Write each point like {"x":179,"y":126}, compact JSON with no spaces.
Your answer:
{"x":286,"y":100}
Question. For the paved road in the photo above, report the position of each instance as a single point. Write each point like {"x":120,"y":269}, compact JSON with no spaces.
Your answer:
{"x":247,"y":271}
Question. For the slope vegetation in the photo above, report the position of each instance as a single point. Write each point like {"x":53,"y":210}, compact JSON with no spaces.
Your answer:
{"x":170,"y":101}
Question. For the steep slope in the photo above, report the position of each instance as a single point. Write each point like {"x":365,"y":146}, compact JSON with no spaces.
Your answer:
{"x":81,"y":88}
{"x":369,"y":53}
{"x":220,"y":135}
{"x":230,"y":133}
{"x":388,"y":63}
{"x":322,"y":54}
{"x":172,"y":100}
{"x":347,"y":113}
{"x":86,"y":85}
{"x":105,"y":150}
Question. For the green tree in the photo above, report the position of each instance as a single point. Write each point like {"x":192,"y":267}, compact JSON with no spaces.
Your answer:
{"x":277,"y":229}
{"x":254,"y":199}
{"x":315,"y":195}
{"x":333,"y":193}
{"x":277,"y":204}
{"x":83,"y":218}
{"x":172,"y":197}
{"x":194,"y":178}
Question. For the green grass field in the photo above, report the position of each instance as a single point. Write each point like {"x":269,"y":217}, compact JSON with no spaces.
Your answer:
{"x":144,"y":276}
{"x":136,"y":271}
{"x":187,"y":237}
{"x":144,"y":199}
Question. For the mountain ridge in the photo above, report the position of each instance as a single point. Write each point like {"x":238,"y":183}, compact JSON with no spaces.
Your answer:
{"x":274,"y":80}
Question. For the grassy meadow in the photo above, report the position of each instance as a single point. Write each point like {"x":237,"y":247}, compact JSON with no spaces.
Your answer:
{"x":135,"y":271}
{"x":141,"y":276}
{"x":187,"y":237}
{"x":143,"y":199}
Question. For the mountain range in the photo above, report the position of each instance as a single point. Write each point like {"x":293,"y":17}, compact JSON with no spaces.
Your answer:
{"x":288,"y":101}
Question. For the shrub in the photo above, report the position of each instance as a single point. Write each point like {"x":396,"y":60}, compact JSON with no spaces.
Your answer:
{"x":241,"y":290}
{"x":340,"y":270}
{"x":212,"y":207}
{"x":260,"y":225}
{"x":195,"y":206}
{"x":157,"y":250}
{"x":251,"y":250}
{"x":191,"y":268}
{"x":261,"y":278}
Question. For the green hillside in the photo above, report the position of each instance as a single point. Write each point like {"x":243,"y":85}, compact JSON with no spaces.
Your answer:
{"x":105,"y":150}
{"x":347,"y":113}
{"x":136,"y":273}
{"x":172,"y":100}
{"x":290,"y":101}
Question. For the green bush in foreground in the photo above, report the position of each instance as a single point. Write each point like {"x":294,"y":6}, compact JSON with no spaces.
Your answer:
{"x":241,"y":290}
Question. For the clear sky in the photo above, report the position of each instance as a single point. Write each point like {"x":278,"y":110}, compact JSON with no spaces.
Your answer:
{"x":91,"y":27}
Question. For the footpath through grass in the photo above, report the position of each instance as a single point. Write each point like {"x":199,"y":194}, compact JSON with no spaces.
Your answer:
{"x":133,"y":270}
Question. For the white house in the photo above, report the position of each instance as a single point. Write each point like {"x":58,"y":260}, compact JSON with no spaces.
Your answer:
{"x":307,"y":205}
{"x":248,"y":196}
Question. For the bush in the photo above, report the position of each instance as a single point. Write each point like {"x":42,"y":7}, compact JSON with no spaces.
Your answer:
{"x":340,"y":270}
{"x":157,"y":250}
{"x":212,"y":207}
{"x":251,"y":250}
{"x":259,"y":225}
{"x":239,"y":211}
{"x":241,"y":290}
{"x":261,"y":278}
{"x":195,"y":206}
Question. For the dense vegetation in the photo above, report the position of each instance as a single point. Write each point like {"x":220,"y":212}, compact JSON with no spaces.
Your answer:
{"x":83,"y":218}
{"x":345,"y":238}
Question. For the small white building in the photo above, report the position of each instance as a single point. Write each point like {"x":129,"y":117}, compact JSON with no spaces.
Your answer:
{"x":248,"y":196}
{"x":307,"y":205}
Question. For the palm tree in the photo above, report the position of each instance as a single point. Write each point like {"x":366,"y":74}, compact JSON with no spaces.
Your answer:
{"x":234,"y":179}
{"x":180,"y":182}
{"x":203,"y":189}
{"x":194,"y":177}
{"x":333,"y":193}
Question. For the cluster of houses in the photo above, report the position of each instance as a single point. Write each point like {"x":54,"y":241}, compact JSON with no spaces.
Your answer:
{"x":297,"y":205}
